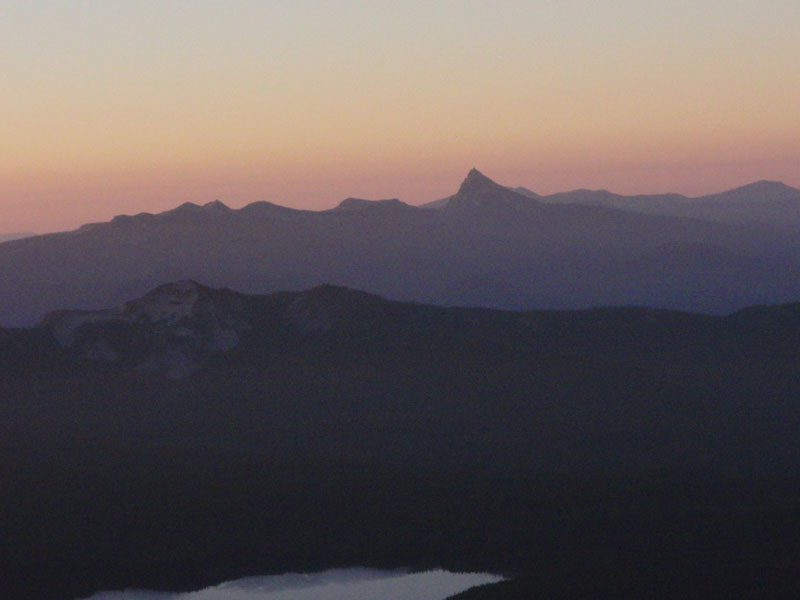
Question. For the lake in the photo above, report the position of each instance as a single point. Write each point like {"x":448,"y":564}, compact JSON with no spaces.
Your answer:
{"x":339,"y":584}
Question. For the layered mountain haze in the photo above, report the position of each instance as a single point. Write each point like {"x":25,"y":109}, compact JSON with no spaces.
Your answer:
{"x":768,"y":203}
{"x":489,"y":245}
{"x":274,"y":329}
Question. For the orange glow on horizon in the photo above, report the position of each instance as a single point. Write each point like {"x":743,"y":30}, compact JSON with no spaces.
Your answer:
{"x":108,"y":111}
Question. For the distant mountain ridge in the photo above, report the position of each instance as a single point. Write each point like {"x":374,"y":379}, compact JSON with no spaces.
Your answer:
{"x":477,"y":190}
{"x":8,"y":237}
{"x":770,"y":203}
{"x":761,"y":195}
{"x":610,"y":373}
{"x":489,"y":245}
{"x":361,"y":204}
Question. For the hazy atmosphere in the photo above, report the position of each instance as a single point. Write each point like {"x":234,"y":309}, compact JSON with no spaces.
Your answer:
{"x":121,"y":107}
{"x":349,"y":300}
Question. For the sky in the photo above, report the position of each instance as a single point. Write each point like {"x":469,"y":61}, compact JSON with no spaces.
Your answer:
{"x":118,"y":106}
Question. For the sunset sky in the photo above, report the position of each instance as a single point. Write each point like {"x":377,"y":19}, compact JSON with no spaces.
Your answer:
{"x":122,"y":106}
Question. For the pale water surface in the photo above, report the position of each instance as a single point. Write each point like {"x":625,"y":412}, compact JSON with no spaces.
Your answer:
{"x":340,"y":584}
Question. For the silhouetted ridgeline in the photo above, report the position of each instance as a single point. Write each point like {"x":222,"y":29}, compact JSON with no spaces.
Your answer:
{"x":195,"y":435}
{"x":487,"y":245}
{"x":7,"y":237}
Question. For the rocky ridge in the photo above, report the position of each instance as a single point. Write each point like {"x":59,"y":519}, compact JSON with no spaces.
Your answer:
{"x":171,"y":330}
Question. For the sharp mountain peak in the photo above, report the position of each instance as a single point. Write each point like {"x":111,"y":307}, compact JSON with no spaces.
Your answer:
{"x":476,"y":179}
{"x":478,"y":190}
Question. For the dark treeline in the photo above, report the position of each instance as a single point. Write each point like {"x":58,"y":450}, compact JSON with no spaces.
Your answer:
{"x":606,"y":453}
{"x":90,"y":520}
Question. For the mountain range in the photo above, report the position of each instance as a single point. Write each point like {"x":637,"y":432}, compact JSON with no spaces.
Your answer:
{"x":194,"y":434}
{"x":617,"y":386}
{"x":487,"y":245}
{"x":770,"y":203}
{"x":169,"y":419}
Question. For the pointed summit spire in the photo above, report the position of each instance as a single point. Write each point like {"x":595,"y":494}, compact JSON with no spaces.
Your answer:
{"x":478,"y":190}
{"x":476,"y":178}
{"x":477,"y":183}
{"x":475,"y":174}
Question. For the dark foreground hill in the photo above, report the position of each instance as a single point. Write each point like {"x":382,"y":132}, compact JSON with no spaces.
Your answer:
{"x":489,"y":246}
{"x":196,"y":434}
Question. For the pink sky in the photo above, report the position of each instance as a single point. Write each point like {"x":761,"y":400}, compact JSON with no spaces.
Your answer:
{"x":139,"y":106}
